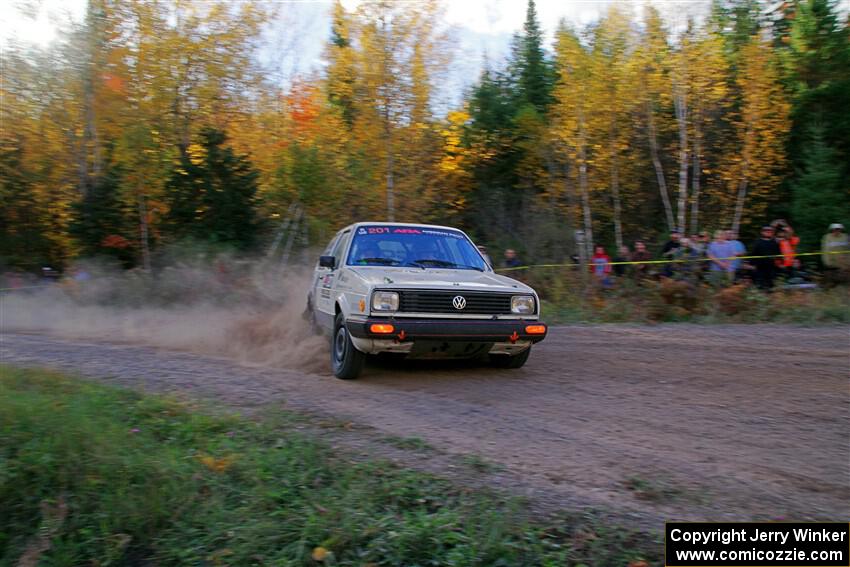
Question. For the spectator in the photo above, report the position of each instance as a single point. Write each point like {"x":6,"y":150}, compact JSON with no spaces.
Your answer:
{"x":600,"y":266}
{"x":672,"y":244}
{"x":641,"y":254}
{"x":483,"y":250}
{"x":699,"y":249}
{"x":788,"y":248}
{"x":80,"y":275}
{"x":670,"y":250}
{"x":736,"y":249}
{"x":835,"y":241}
{"x":511,"y":260}
{"x":778,"y":226}
{"x":765,"y":267}
{"x":49,"y":275}
{"x":622,"y":256}
{"x":697,"y":244}
{"x":720,"y":252}
{"x":689,"y":255}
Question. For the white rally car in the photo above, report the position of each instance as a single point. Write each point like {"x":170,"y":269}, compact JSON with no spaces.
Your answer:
{"x":418,"y":290}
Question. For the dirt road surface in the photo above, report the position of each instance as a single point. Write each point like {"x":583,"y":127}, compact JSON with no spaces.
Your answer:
{"x":649,"y":423}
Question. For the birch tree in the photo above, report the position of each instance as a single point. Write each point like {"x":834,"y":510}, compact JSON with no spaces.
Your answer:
{"x":709,"y":100}
{"x":761,"y":128}
{"x":613,"y":41}
{"x":570,"y":112}
{"x":651,"y":61}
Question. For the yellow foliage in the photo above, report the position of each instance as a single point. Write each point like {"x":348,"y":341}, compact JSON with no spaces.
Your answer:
{"x":216,"y":465}
{"x":319,"y":554}
{"x":196,"y":153}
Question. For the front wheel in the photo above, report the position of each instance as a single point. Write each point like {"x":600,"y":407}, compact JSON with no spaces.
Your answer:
{"x":346,"y":360}
{"x":510,"y":361}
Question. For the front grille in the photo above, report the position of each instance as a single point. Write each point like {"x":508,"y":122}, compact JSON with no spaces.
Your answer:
{"x":477,"y":303}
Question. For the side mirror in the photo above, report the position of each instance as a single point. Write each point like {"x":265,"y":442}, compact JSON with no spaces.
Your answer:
{"x":327,"y":262}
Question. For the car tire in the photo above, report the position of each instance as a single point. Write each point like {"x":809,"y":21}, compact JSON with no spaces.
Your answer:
{"x":346,"y":360}
{"x":510,"y":361}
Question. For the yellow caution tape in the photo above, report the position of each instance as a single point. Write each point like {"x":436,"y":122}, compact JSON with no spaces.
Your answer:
{"x":571,"y":265}
{"x":24,"y":287}
{"x":635,"y":262}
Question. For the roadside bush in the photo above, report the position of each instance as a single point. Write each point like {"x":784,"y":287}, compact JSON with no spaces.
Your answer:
{"x":568,"y":298}
{"x":674,"y":300}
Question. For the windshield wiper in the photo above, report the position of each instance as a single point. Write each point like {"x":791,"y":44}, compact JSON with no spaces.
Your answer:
{"x":422,"y":262}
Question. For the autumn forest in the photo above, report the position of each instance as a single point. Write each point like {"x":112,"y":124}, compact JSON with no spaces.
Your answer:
{"x":153,"y":123}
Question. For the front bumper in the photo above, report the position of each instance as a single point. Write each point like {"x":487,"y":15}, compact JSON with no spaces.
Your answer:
{"x":449,"y":330}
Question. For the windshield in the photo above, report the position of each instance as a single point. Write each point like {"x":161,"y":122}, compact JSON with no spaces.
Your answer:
{"x":420,"y":247}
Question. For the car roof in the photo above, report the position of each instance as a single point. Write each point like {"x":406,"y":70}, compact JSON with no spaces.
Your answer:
{"x":368,"y":223}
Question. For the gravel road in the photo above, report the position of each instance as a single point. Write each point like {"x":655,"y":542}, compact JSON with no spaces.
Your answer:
{"x":662,"y":422}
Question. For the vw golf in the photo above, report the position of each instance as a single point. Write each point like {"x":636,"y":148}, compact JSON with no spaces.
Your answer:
{"x":420,"y":291}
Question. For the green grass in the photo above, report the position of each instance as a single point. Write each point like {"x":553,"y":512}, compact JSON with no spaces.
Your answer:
{"x":96,"y":475}
{"x":651,"y":490}
{"x":408,"y":443}
{"x":480,"y":464}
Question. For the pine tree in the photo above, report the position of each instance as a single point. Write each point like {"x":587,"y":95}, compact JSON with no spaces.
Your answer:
{"x":492,"y":108}
{"x":212,"y":194}
{"x":535,"y":72}
{"x":820,"y":193}
{"x":737,"y":21}
{"x":103,"y":224}
{"x":23,"y":230}
{"x":818,"y":73}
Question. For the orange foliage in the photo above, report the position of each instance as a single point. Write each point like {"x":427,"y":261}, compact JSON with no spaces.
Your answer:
{"x":115,"y":241}
{"x":304,"y":104}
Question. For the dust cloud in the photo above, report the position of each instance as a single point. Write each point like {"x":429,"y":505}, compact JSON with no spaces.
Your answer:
{"x":241,"y":310}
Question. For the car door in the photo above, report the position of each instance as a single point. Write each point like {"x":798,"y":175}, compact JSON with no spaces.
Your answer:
{"x":325,"y":280}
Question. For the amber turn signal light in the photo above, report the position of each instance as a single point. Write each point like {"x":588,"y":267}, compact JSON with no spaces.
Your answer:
{"x":535,"y":329}
{"x":381,"y":328}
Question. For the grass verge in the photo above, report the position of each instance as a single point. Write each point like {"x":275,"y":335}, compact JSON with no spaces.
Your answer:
{"x":672,"y":301}
{"x":91,"y":474}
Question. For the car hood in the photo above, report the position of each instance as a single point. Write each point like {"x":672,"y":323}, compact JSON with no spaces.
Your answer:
{"x":439,"y":278}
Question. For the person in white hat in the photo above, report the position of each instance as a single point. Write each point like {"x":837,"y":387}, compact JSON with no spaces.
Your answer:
{"x":835,"y":241}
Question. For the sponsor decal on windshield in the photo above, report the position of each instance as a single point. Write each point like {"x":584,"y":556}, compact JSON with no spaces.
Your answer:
{"x":407,"y":230}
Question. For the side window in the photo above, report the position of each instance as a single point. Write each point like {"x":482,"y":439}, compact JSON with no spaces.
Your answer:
{"x":341,"y":244}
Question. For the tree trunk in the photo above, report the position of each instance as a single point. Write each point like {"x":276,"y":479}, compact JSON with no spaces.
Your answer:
{"x":387,"y":125}
{"x":615,"y":193}
{"x":743,"y":183}
{"x":88,"y":165}
{"x":390,"y":179}
{"x":739,"y":206}
{"x":656,"y":162}
{"x":571,"y":209}
{"x":615,"y":185}
{"x":696,"y":178}
{"x":143,"y":233}
{"x":585,"y":195}
{"x":680,"y":102}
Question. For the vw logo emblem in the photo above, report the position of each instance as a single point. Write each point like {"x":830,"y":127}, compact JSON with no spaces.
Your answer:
{"x":459,"y":302}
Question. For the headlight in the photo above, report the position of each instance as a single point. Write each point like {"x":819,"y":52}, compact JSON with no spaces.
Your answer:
{"x":522,"y":304}
{"x":384,"y":301}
